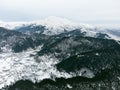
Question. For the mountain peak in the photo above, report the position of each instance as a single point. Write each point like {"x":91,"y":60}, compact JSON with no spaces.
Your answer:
{"x":54,"y":22}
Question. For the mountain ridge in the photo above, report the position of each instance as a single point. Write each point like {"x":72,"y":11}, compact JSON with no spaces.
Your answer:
{"x":56,"y":25}
{"x":58,"y":50}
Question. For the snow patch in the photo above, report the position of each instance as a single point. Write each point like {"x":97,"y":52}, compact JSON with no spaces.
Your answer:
{"x":85,"y":72}
{"x":26,"y":65}
{"x":96,"y":54}
{"x":69,"y":86}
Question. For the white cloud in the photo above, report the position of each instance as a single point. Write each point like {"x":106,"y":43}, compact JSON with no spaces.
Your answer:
{"x":77,"y":10}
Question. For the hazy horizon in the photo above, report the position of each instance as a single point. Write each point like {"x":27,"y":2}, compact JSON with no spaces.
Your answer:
{"x":82,"y":11}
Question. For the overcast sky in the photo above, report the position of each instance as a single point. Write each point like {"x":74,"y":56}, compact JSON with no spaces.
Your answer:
{"x":83,"y":11}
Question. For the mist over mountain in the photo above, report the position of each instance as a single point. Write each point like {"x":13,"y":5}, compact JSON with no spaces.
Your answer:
{"x":56,"y":25}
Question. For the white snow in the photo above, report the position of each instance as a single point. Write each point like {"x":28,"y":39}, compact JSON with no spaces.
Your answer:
{"x":118,"y":78}
{"x":115,"y":37}
{"x":22,"y":66}
{"x":85,"y":72}
{"x":12,"y":25}
{"x":96,"y":54}
{"x":56,"y":25}
{"x":69,"y":86}
{"x":18,"y":66}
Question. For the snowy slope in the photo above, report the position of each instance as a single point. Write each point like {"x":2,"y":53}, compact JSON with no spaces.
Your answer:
{"x":22,"y":66}
{"x":27,"y":65}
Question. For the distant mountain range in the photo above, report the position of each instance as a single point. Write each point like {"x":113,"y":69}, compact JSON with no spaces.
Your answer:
{"x":55,"y":25}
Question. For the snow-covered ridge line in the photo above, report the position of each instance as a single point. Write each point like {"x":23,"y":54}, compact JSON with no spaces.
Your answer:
{"x":12,"y":25}
{"x":50,"y":22}
{"x":56,"y":22}
{"x":56,"y":25}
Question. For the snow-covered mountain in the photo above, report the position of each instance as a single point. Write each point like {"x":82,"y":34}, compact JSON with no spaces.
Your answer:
{"x":56,"y":25}
{"x":63,"y":52}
